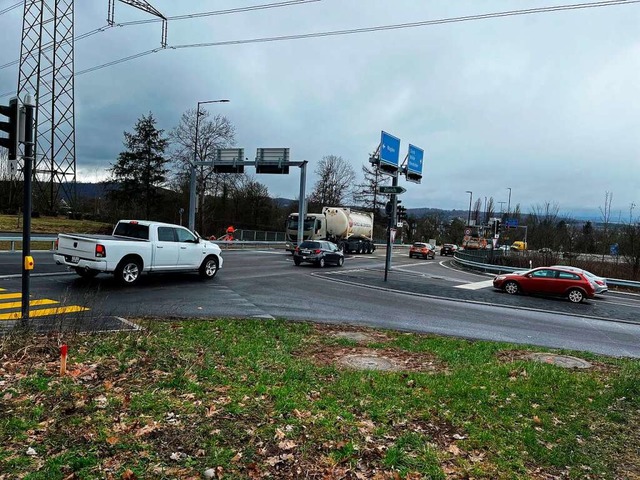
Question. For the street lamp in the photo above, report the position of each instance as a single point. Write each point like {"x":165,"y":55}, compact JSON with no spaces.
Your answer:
{"x":469,"y":215}
{"x":192,"y":186}
{"x":509,"y":203}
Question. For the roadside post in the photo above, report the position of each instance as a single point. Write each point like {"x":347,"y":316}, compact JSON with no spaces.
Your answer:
{"x":392,"y":211}
{"x":387,"y":161}
{"x":27,"y":260}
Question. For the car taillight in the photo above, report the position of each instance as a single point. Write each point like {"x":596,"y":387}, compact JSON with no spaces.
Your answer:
{"x":101,"y":251}
{"x":600,"y":282}
{"x":318,"y":251}
{"x":55,"y":247}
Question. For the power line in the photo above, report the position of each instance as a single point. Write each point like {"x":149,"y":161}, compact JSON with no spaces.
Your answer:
{"x":11,"y":7}
{"x":179,"y":17}
{"x":425,"y":23}
{"x":249,"y":8}
{"x":49,"y":45}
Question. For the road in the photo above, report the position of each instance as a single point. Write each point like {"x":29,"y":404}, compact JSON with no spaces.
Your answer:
{"x":429,"y":296}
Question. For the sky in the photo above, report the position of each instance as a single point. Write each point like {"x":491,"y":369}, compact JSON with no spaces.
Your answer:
{"x":547,"y":104}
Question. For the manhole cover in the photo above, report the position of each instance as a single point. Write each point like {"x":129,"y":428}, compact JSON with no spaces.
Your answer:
{"x":564,"y":361}
{"x":367,"y":362}
{"x":355,"y":336}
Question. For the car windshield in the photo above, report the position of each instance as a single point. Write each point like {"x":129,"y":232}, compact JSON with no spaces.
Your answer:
{"x":292,"y":223}
{"x":313,"y":245}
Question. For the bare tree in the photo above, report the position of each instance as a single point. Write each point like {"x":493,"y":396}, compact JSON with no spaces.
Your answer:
{"x":213,"y":132}
{"x":489,"y":210}
{"x":475,"y":212}
{"x":605,"y":212}
{"x":335,"y":185}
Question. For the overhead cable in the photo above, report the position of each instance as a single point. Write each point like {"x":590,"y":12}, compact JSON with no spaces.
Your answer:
{"x":179,"y":17}
{"x":249,"y":8}
{"x":425,"y":23}
{"x":11,"y":7}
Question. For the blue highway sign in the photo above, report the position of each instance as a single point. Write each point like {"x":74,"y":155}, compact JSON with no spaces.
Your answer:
{"x":389,"y":149}
{"x":414,"y":165}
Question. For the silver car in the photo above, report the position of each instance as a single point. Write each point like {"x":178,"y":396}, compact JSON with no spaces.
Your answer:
{"x":599,"y":283}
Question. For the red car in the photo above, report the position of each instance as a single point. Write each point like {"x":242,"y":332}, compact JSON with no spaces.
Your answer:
{"x":424,"y":250}
{"x":547,"y":281}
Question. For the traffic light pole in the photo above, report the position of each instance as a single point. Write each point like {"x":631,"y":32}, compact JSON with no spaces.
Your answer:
{"x":27,"y":261}
{"x":392,"y":220}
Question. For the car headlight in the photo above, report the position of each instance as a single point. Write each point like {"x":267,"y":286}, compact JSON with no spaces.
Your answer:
{"x":500,"y":277}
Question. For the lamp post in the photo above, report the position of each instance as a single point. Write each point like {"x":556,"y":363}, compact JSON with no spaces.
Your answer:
{"x":509,"y":203}
{"x":192,"y":183}
{"x":469,"y":215}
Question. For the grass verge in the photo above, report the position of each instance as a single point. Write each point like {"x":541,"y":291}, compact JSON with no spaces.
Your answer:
{"x":258,"y":398}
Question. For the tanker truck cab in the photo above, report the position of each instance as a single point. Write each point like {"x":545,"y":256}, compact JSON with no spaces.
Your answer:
{"x":314,"y":228}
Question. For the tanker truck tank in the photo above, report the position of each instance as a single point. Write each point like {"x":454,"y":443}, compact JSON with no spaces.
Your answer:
{"x":350,"y":230}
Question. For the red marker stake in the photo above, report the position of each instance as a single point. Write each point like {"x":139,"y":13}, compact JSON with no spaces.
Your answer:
{"x":63,"y":359}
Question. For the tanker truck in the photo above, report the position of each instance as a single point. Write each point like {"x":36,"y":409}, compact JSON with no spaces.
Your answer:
{"x":352,"y":231}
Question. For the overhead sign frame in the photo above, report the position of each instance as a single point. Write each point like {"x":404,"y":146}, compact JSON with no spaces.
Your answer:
{"x":228,"y":160}
{"x":272,"y":160}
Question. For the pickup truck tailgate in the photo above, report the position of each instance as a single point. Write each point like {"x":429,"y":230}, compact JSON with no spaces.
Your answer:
{"x":77,"y":246}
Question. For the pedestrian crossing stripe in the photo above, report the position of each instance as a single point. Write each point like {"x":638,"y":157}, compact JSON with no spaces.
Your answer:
{"x":32,"y":303}
{"x":476,"y":285}
{"x":8,"y":296}
{"x":39,"y":312}
{"x":43,"y":312}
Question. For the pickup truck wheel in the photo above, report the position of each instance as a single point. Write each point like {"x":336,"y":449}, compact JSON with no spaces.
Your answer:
{"x":84,"y":273}
{"x":209,"y":268}
{"x":128,"y":271}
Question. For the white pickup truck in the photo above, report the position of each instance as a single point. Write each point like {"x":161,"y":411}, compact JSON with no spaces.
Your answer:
{"x":138,"y":246}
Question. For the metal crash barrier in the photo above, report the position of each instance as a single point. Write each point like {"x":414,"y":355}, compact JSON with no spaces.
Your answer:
{"x":498,"y":269}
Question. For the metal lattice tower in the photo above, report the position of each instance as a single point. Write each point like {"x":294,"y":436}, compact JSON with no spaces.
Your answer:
{"x":46,"y":71}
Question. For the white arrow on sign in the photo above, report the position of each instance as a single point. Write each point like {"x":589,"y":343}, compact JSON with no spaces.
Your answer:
{"x":391,"y":189}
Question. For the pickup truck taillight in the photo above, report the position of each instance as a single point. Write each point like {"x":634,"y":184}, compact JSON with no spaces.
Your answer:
{"x":101,"y":251}
{"x":55,"y":246}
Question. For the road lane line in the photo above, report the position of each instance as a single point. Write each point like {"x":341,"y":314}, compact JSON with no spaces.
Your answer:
{"x":476,"y":285}
{"x":43,"y":312}
{"x":32,"y":303}
{"x":7,"y":296}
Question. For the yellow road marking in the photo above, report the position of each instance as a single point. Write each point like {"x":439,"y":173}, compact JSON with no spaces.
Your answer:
{"x":7,"y":296}
{"x":43,"y":312}
{"x":33,"y":303}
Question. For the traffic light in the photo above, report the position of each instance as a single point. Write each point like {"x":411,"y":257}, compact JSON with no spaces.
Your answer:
{"x":402,"y":213}
{"x":497,"y":227}
{"x":10,"y":127}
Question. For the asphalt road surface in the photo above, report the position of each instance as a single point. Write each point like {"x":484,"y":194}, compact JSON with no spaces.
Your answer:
{"x":429,"y":296}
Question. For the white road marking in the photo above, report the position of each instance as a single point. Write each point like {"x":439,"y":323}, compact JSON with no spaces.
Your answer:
{"x":476,"y":285}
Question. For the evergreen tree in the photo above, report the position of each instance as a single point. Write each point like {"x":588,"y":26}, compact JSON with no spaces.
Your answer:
{"x":366,"y":193}
{"x":142,"y":168}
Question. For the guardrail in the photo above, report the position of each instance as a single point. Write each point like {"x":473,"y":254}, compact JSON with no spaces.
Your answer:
{"x":498,"y":269}
{"x":13,"y":240}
